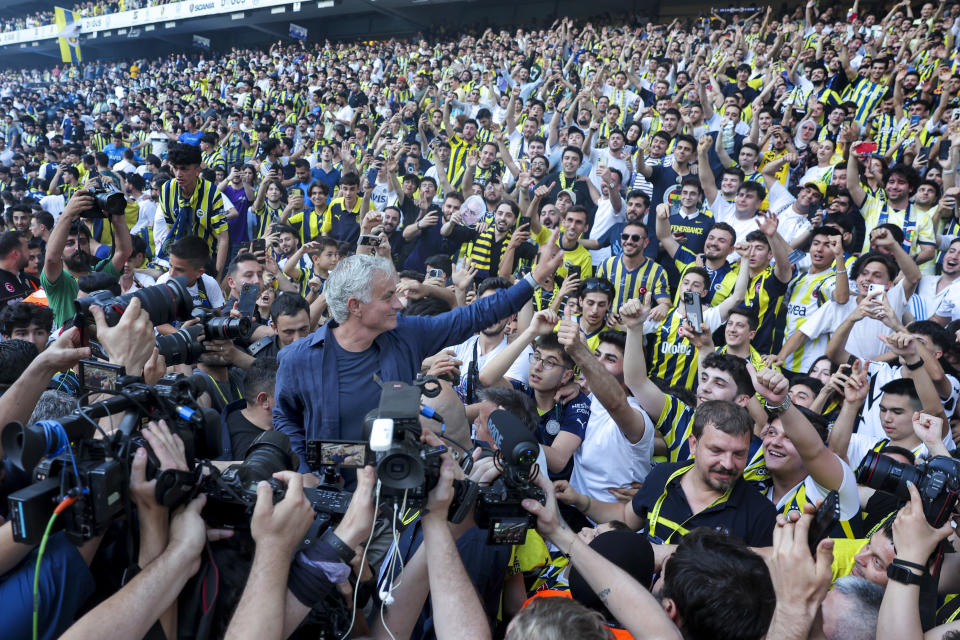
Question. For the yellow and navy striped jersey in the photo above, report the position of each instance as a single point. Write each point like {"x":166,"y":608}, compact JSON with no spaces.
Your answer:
{"x":722,"y":280}
{"x":805,"y":294}
{"x":884,"y":131}
{"x":675,"y":424}
{"x":672,"y":358}
{"x":266,"y":216}
{"x":627,"y":283}
{"x":481,"y":251}
{"x":754,"y":358}
{"x":100,"y":141}
{"x":309,"y":224}
{"x":917,"y":227}
{"x":213,"y":160}
{"x":459,"y":148}
{"x":866,"y":95}
{"x":232,"y":148}
{"x":200,"y":215}
{"x":765,"y":296}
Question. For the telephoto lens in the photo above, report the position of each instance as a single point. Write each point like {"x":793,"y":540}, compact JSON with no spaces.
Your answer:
{"x":227,"y":328}
{"x":163,"y":302}
{"x":182,"y":347}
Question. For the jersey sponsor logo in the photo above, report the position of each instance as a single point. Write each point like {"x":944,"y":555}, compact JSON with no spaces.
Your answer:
{"x":682,"y":349}
{"x":798,"y":310}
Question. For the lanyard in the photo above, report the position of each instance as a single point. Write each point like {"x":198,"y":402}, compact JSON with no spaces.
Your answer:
{"x":677,"y":527}
{"x":219,"y":390}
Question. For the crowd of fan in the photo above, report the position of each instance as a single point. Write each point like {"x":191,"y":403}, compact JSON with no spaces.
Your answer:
{"x":712,"y":267}
{"x":85,"y":9}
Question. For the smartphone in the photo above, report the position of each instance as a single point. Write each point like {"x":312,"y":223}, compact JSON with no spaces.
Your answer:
{"x":865,"y":147}
{"x":694,"y":309}
{"x":826,"y":518}
{"x":367,"y":240}
{"x":99,"y":376}
{"x":573,"y":271}
{"x":436,"y":273}
{"x":875,"y":290}
{"x":524,"y":220}
{"x":259,"y":245}
{"x":344,"y":454}
{"x":295,"y":191}
{"x":915,"y":120}
{"x":248,"y":299}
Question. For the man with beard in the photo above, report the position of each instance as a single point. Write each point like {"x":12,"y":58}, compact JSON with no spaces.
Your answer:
{"x":708,"y":491}
{"x":665,"y":180}
{"x":70,"y":243}
{"x":14,"y":257}
{"x":633,"y":274}
{"x":389,"y":222}
{"x":474,"y":353}
{"x":488,"y":246}
{"x":717,"y":246}
{"x":638,"y":203}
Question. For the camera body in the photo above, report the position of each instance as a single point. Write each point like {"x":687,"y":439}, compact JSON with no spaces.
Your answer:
{"x":107,"y":202}
{"x":95,"y":471}
{"x":937,"y":480}
{"x":217,"y":327}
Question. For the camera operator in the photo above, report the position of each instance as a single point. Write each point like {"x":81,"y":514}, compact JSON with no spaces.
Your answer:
{"x":61,"y":286}
{"x":317,"y":388}
{"x":247,"y":418}
{"x":222,"y":365}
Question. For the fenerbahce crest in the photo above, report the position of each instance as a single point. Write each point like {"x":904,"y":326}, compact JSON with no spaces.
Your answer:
{"x":200,"y":214}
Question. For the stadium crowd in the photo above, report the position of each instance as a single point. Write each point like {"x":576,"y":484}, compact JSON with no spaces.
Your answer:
{"x":710,"y":269}
{"x":85,"y":9}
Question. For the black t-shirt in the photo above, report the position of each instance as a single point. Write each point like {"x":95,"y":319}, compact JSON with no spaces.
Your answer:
{"x":223,"y":392}
{"x":242,"y":434}
{"x":15,"y":288}
{"x":746,"y":513}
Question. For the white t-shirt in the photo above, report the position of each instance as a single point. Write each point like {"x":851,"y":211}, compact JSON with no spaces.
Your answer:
{"x":620,"y":164}
{"x":464,"y":353}
{"x":948,"y":308}
{"x":212,"y":289}
{"x":862,"y":443}
{"x":606,"y":459}
{"x":862,"y":342}
{"x":141,"y":279}
{"x":605,"y":218}
{"x":849,"y":496}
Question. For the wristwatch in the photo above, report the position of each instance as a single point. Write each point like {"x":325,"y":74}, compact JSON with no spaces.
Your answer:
{"x":903,"y":575}
{"x":780,"y":408}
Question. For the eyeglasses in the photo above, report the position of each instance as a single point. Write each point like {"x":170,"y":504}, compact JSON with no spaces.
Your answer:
{"x":632,"y":237}
{"x":547,"y":365}
{"x":597,"y":284}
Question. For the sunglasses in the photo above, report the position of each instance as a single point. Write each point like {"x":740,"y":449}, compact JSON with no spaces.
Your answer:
{"x":594,"y":284}
{"x":632,"y":237}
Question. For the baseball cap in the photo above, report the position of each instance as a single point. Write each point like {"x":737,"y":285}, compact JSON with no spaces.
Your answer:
{"x":573,"y":196}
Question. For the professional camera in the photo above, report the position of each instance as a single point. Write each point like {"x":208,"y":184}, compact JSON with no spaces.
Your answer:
{"x":232,"y":494}
{"x":407,"y":468}
{"x":107,"y":201}
{"x":216,"y":327}
{"x":937,"y":480}
{"x":163,"y":302}
{"x":498,"y":505}
{"x":68,"y":463}
{"x":182,"y":347}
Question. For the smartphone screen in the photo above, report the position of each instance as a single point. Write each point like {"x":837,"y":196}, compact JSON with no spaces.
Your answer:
{"x":260,"y":244}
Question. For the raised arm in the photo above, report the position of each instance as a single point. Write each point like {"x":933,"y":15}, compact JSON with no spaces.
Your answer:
{"x":493,"y":371}
{"x":651,"y":398}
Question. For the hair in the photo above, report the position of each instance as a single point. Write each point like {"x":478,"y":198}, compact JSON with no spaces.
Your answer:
{"x":757,"y":236}
{"x":353,"y":278}
{"x":615,"y":337}
{"x":441,"y":261}
{"x":259,"y":378}
{"x":426,"y":306}
{"x":52,"y":405}
{"x":573,"y":149}
{"x":903,"y":387}
{"x":22,"y":315}
{"x":549,"y":618}
{"x":875,"y":256}
{"x":552,"y":343}
{"x":756,"y":187}
{"x":862,"y":608}
{"x":15,"y":357}
{"x":514,"y":402}
{"x":288,"y":304}
{"x":808,"y":381}
{"x":722,"y":589}
{"x":699,"y":271}
{"x":747,"y":312}
{"x":192,"y":249}
{"x":736,"y":367}
{"x":493,"y":283}
{"x":183,"y":155}
{"x":9,"y":242}
{"x":724,"y":415}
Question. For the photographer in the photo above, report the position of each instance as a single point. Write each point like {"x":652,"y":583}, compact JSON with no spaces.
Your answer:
{"x":188,"y":257}
{"x":61,"y":286}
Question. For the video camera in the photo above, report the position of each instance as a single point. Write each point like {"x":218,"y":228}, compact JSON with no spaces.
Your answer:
{"x":409,"y":469}
{"x":67,"y":462}
{"x":937,"y":480}
{"x":184,"y":346}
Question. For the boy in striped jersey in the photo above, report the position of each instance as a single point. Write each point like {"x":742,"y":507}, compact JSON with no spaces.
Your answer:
{"x":826,"y":280}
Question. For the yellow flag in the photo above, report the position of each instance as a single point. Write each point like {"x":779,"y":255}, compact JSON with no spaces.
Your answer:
{"x":68,"y":24}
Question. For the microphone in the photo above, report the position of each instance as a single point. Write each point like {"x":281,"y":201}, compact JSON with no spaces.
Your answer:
{"x":518,"y":446}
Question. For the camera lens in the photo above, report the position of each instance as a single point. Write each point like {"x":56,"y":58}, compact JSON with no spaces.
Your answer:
{"x":181,"y":347}
{"x":227,"y":328}
{"x":164,"y":303}
{"x":269,"y":453}
{"x":883,"y":473}
{"x":400,"y":470}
